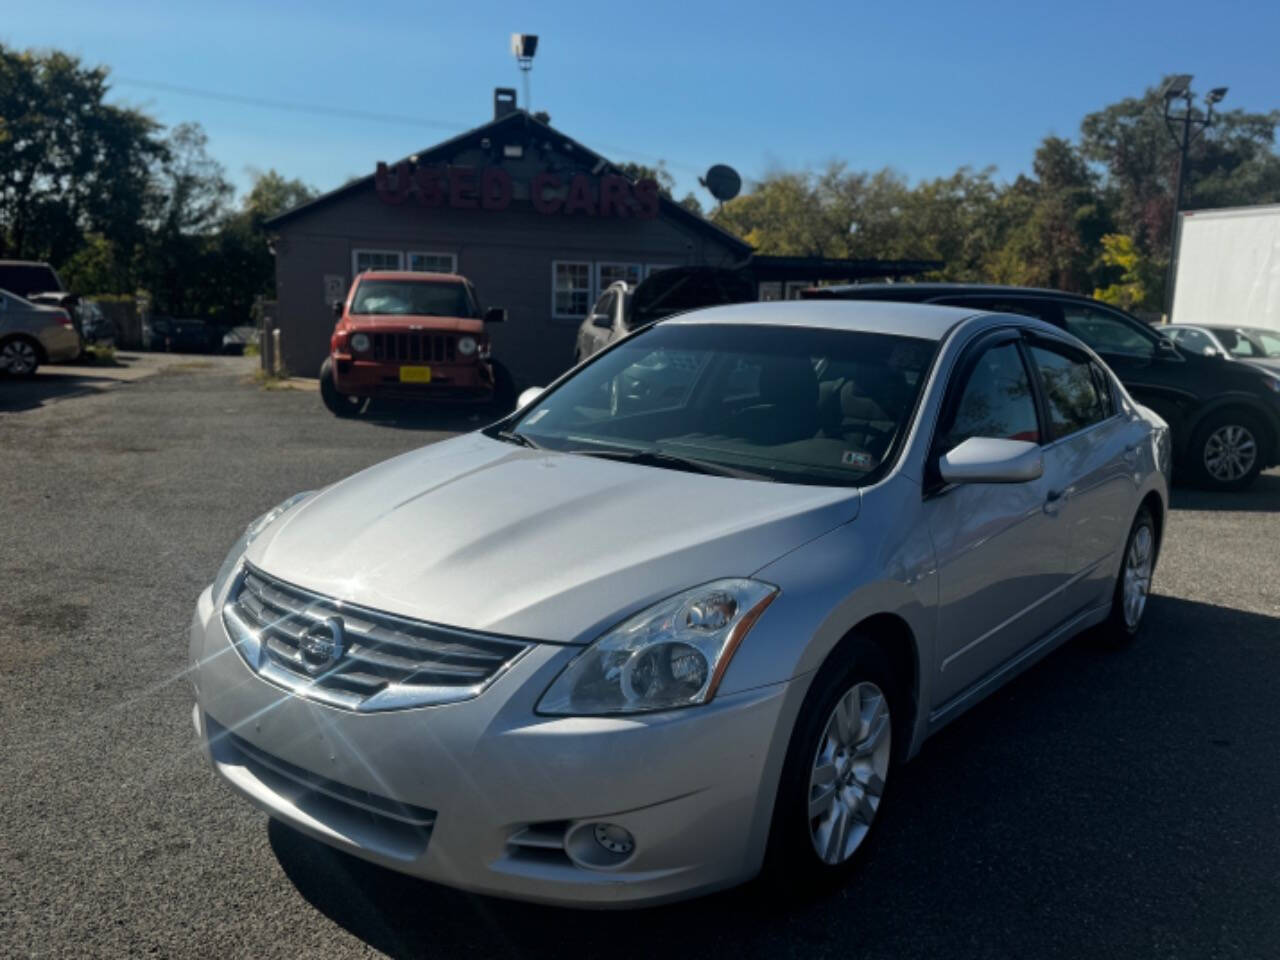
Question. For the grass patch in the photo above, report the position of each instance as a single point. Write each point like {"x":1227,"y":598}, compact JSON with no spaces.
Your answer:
{"x":103,"y":355}
{"x":251,"y":350}
{"x":269,"y":381}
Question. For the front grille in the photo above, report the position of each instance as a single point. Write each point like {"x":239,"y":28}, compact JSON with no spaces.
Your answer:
{"x":414,"y":347}
{"x":357,"y":658}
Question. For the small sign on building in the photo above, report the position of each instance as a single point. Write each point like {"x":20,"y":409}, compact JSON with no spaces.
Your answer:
{"x":335,"y":288}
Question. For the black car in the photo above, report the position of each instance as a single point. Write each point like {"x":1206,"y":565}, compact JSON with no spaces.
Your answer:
{"x":183,"y":336}
{"x":1224,"y":416}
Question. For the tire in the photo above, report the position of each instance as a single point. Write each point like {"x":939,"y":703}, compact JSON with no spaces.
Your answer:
{"x":339,"y":404}
{"x":19,"y":356}
{"x":794,"y":861}
{"x":1133,"y":582}
{"x":1228,"y":450}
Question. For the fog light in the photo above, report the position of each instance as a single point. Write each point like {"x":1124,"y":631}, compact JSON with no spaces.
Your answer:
{"x":617,"y":840}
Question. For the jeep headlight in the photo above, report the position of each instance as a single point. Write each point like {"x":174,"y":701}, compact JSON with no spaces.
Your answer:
{"x":251,"y":533}
{"x":672,"y":654}
{"x":359,"y":342}
{"x":466,"y":346}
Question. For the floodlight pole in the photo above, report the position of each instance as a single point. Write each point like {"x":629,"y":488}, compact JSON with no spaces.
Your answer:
{"x":1183,"y":139}
{"x":526,"y":65}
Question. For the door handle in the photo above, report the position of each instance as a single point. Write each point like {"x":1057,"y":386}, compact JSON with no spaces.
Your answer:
{"x":1054,"y":500}
{"x":1131,"y":452}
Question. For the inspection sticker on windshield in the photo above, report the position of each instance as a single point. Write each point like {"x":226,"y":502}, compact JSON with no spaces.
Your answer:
{"x":856,"y":458}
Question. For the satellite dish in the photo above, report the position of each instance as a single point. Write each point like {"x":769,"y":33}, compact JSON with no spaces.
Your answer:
{"x":723,"y":182}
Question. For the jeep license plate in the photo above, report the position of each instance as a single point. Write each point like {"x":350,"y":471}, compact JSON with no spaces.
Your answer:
{"x":415,"y":374}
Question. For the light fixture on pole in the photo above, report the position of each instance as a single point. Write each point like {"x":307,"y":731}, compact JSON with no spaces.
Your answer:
{"x":524,"y":46}
{"x":1178,"y":87}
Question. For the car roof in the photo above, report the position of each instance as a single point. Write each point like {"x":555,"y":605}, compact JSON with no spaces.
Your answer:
{"x":411,"y":275}
{"x":913,"y":290}
{"x":922,"y":320}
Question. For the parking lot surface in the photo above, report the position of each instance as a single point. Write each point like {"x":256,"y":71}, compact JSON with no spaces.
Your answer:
{"x":1121,"y":804}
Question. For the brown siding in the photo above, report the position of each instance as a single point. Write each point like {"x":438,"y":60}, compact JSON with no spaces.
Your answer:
{"x":507,"y":255}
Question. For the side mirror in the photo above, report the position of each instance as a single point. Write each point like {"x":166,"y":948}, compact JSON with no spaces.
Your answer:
{"x":601,"y":320}
{"x":1166,"y":349}
{"x":1210,"y":352}
{"x":988,"y":460}
{"x":495,"y":315}
{"x":337,"y":308}
{"x":528,"y":396}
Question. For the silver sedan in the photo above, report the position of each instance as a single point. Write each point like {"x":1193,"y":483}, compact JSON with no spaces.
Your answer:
{"x":609,"y":653}
{"x":32,"y":334}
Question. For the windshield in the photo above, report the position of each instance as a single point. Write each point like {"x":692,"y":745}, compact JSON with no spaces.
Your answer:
{"x":781,"y":403}
{"x":413,"y":298}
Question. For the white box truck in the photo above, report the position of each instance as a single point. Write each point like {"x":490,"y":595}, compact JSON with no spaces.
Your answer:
{"x":1228,"y":267}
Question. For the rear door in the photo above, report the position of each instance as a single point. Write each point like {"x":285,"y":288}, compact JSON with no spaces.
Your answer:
{"x":1001,"y":547}
{"x":1096,"y":449}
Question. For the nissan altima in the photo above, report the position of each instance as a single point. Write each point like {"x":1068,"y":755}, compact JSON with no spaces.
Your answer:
{"x":683,"y":614}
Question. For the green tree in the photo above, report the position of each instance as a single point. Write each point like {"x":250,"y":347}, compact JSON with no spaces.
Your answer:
{"x":69,"y":163}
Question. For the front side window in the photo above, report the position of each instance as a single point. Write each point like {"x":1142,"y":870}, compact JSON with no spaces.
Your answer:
{"x":996,"y":401}
{"x":1072,"y":390}
{"x":413,"y":298}
{"x":794,"y":405}
{"x":1196,"y":341}
{"x":1108,"y":333}
{"x":604,"y":306}
{"x":1237,"y":344}
{"x":362,"y":260}
{"x":570,"y":288}
{"x":1267,"y":341}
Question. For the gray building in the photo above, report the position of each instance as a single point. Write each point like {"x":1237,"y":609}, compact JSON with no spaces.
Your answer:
{"x":538,"y":222}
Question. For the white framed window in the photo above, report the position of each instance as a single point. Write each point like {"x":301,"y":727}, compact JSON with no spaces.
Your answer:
{"x":571,"y":288}
{"x":651,"y":268}
{"x":607,"y":273}
{"x":770,"y":290}
{"x":432,"y":262}
{"x":793,"y":288}
{"x":362,"y":260}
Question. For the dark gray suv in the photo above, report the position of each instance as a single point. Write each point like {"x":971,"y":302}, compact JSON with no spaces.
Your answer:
{"x":1224,"y":417}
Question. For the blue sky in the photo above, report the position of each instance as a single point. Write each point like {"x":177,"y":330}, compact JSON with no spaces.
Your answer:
{"x":923,"y":87}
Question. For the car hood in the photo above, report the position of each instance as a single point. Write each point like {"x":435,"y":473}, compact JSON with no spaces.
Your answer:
{"x":398,"y":321}
{"x":484,"y":535}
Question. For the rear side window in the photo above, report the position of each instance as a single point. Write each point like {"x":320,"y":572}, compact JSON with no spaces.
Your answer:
{"x":995,"y":401}
{"x":1072,"y":387}
{"x":1107,"y":332}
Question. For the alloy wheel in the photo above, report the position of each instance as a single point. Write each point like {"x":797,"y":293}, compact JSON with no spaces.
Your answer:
{"x":849,"y":771}
{"x":1230,"y":453}
{"x":18,"y":357}
{"x":1137,"y":575}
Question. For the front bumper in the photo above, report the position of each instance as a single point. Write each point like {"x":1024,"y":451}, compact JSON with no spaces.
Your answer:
{"x":467,"y":381}
{"x":482,"y":794}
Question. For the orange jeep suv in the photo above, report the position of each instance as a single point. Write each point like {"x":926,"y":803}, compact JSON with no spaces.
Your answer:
{"x":412,"y":336}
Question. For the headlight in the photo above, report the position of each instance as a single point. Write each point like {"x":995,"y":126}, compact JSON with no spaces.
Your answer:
{"x":671,"y":655}
{"x":251,"y":533}
{"x":466,"y":346}
{"x":360,"y":342}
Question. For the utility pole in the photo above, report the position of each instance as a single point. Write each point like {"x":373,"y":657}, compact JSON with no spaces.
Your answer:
{"x":1178,"y":87}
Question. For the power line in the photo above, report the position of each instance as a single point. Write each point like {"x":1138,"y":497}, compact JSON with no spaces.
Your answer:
{"x":293,"y":106}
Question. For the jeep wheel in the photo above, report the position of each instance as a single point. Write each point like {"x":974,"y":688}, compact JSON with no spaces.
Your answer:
{"x":339,"y":404}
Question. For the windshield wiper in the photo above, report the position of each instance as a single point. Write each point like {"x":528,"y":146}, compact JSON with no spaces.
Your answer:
{"x":672,"y":461}
{"x":519,"y":439}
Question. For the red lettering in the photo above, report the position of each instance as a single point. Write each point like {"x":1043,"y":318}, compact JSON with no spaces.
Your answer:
{"x":537,"y":193}
{"x":430,"y":183}
{"x":580,"y":196}
{"x":646,"y":192}
{"x":462,"y":188}
{"x":615,"y":196}
{"x":495,"y":188}
{"x":392,"y":190}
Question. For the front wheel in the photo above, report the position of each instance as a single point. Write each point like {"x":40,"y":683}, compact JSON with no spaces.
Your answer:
{"x":339,"y":404}
{"x":837,"y":769}
{"x":1228,"y":450}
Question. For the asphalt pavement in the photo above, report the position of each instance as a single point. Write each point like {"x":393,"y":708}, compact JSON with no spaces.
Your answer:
{"x":1115,"y":803}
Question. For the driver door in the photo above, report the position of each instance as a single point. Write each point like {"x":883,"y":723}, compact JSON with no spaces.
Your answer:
{"x":1002,"y":548}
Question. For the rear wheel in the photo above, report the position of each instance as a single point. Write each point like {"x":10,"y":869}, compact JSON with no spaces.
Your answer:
{"x":838,"y":765}
{"x":339,"y":404}
{"x":19,"y":356}
{"x":1133,"y":585}
{"x":1228,"y":450}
